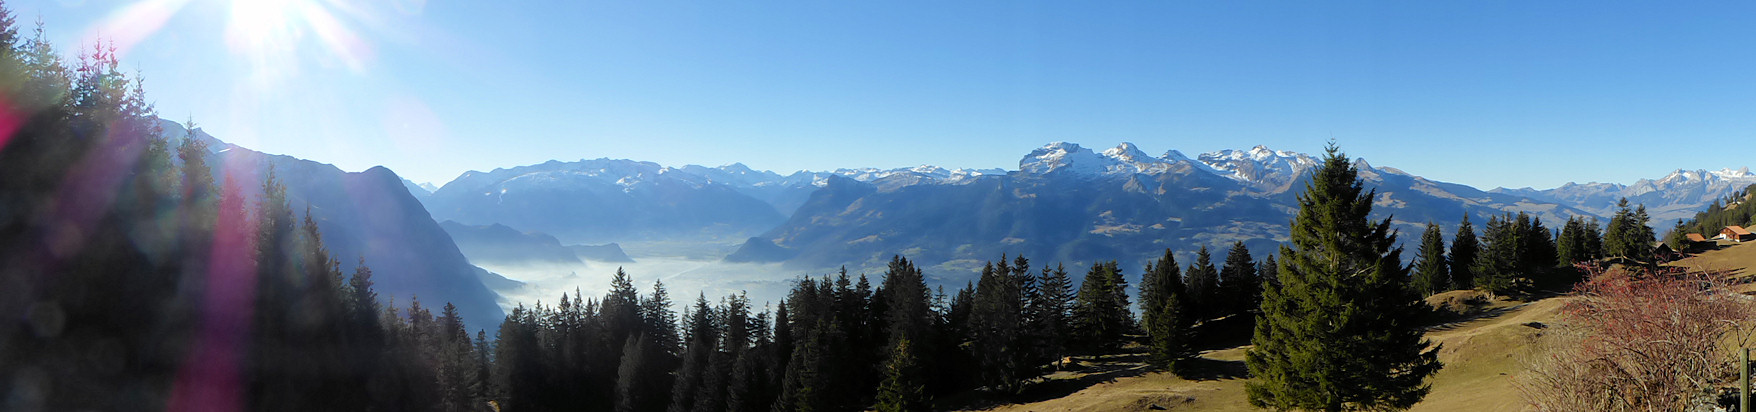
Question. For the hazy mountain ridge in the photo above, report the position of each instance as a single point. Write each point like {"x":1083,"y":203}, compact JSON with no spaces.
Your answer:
{"x":607,"y":200}
{"x":1678,"y":195}
{"x":602,"y":200}
{"x":1063,"y":202}
{"x":499,"y":243}
{"x":370,"y":215}
{"x":1069,"y":203}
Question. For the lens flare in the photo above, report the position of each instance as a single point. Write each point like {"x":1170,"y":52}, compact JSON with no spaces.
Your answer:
{"x":273,"y":34}
{"x":130,"y":25}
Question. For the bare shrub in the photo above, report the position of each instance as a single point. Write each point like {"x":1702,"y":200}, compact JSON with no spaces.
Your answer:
{"x":1640,"y":340}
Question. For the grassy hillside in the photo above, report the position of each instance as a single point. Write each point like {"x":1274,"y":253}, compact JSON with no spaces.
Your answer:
{"x":1736,"y":257}
{"x":1481,"y":353}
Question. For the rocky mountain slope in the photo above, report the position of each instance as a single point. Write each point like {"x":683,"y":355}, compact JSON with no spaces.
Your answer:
{"x":1676,"y":196}
{"x":369,"y":215}
{"x":1072,"y":204}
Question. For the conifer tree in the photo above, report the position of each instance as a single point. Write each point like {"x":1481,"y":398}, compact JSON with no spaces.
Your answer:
{"x":701,"y":343}
{"x":1162,"y":307}
{"x":1536,"y":246}
{"x":1432,"y":270}
{"x":621,"y":309}
{"x":734,"y":339}
{"x":1053,"y":307}
{"x":659,"y":320}
{"x":1162,"y":279}
{"x":905,"y":289}
{"x":1616,"y":234}
{"x":1172,"y":340}
{"x":902,"y":390}
{"x":1269,"y":272}
{"x":1100,"y":311}
{"x":1498,"y":268}
{"x":1340,"y":332}
{"x":1570,"y":245}
{"x":1677,"y":236}
{"x":1594,"y":240}
{"x":1240,"y":289}
{"x":456,"y":368}
{"x":1640,"y":236}
{"x":783,"y":336}
{"x":753,"y":378}
{"x":634,"y":390}
{"x":1203,"y":287}
{"x":1464,"y":249}
{"x":996,"y":329}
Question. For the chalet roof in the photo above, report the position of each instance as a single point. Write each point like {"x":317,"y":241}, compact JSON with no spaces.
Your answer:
{"x":1737,"y":230}
{"x":1695,"y":237}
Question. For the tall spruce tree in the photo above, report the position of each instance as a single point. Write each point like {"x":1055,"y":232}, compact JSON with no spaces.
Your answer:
{"x":1616,"y":234}
{"x":1640,"y":236}
{"x":1100,"y":311}
{"x":1162,"y":308}
{"x":1464,"y":248}
{"x":1594,"y":240}
{"x":1269,"y":271}
{"x":1497,"y":267}
{"x":1677,"y":236}
{"x":1161,"y":279}
{"x":1340,"y":332}
{"x":634,"y":389}
{"x":1240,"y":289}
{"x":1570,"y":246}
{"x":701,"y":343}
{"x":1205,"y":299}
{"x":996,"y":329}
{"x":1053,"y":308}
{"x":1432,"y":270}
{"x":902,"y":390}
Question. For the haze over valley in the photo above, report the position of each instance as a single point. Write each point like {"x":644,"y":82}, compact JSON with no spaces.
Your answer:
{"x":412,"y":205}
{"x":555,"y":227}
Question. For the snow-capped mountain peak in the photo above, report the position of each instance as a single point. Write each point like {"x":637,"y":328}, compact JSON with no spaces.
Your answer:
{"x":1126,"y":152}
{"x":1064,"y":156}
{"x":1260,"y":165}
{"x":1678,"y":195}
{"x":1175,"y":156}
{"x":1124,"y":159}
{"x":1681,"y":176}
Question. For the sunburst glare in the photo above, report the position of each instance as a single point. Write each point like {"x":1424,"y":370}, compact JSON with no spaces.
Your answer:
{"x":273,"y":34}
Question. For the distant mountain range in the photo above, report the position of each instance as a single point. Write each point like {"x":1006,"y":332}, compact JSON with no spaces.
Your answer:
{"x":500,"y":244}
{"x":1676,"y":196}
{"x":1063,"y":203}
{"x":1071,"y":204}
{"x":368,"y":215}
{"x":606,"y":200}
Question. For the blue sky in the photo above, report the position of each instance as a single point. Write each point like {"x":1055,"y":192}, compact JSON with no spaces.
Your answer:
{"x":1488,"y":94}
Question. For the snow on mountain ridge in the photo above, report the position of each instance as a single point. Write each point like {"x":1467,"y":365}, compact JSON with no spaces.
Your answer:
{"x":1677,"y":195}
{"x":1258,"y":166}
{"x":1058,"y":156}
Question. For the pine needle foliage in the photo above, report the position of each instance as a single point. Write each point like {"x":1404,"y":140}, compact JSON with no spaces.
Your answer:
{"x":1340,"y":332}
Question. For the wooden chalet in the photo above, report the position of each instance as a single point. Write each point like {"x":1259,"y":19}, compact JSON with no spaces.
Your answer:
{"x":1736,"y":234}
{"x":1663,"y":252}
{"x":1696,"y":243}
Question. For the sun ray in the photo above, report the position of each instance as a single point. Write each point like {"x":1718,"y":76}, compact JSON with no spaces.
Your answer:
{"x":130,"y":25}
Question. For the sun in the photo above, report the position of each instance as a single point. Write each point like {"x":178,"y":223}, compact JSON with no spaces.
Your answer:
{"x":256,"y":24}
{"x":274,"y":32}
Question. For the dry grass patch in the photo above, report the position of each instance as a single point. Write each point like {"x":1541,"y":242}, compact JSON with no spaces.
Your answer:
{"x":1482,"y":351}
